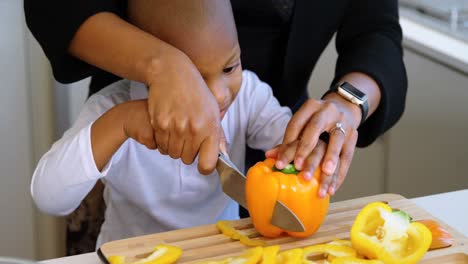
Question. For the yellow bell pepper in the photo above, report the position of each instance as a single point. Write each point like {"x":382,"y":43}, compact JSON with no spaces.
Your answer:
{"x":228,"y":230}
{"x":354,"y":260}
{"x":270,"y":254}
{"x":265,"y":185}
{"x":162,"y":254}
{"x":292,"y":256}
{"x":379,"y":233}
{"x":331,"y":251}
{"x":341,"y":242}
{"x":250,"y":256}
{"x":116,"y":259}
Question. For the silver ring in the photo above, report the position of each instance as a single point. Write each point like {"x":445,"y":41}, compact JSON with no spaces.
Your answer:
{"x":338,"y":126}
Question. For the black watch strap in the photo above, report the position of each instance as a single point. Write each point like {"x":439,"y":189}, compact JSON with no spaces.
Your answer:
{"x":354,"y":95}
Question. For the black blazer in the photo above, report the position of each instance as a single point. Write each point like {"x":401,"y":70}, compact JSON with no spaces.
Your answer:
{"x":368,"y":40}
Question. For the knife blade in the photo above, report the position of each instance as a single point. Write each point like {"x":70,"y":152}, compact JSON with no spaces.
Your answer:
{"x":233,"y":184}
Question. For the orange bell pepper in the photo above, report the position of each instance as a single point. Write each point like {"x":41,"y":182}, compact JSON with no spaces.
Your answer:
{"x":440,"y":237}
{"x":265,"y":185}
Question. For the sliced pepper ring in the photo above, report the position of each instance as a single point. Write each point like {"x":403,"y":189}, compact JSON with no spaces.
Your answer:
{"x":162,"y":254}
{"x":291,"y":256}
{"x":330,"y":250}
{"x":228,"y":230}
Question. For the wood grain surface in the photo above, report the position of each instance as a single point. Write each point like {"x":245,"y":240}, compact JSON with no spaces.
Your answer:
{"x":206,"y":242}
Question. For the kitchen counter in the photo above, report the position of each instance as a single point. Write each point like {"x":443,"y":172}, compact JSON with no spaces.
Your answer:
{"x":451,"y":208}
{"x":434,"y":44}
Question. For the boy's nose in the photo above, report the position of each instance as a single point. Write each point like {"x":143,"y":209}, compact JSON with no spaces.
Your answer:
{"x":221,"y":93}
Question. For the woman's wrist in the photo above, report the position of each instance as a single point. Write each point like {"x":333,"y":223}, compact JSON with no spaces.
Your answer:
{"x":153,"y":67}
{"x":368,"y":86}
{"x":365,"y":84}
{"x":351,"y":111}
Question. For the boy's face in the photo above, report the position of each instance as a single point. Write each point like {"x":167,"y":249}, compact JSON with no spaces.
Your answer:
{"x":217,"y":57}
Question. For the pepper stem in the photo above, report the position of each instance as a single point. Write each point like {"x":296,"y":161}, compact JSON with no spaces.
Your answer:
{"x":288,"y":169}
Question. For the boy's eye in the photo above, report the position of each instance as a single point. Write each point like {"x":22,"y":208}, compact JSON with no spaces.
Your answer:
{"x":230,"y":69}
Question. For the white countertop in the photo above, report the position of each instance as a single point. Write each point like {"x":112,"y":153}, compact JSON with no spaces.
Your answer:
{"x":451,"y":208}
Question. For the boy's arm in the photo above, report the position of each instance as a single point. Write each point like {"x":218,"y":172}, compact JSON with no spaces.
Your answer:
{"x":70,"y":169}
{"x":67,"y":172}
{"x":111,"y":130}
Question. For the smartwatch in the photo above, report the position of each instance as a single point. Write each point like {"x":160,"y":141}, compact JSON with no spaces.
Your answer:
{"x":353,"y":95}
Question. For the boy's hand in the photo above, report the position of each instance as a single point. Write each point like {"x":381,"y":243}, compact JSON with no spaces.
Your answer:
{"x":183,"y":112}
{"x":136,"y":124}
{"x":301,"y":141}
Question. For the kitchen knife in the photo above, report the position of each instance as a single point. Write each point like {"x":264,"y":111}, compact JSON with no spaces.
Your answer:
{"x":233,"y":184}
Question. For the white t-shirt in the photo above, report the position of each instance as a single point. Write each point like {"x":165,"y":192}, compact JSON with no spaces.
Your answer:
{"x":146,"y":192}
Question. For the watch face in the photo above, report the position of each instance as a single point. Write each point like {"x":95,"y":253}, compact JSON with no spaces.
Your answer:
{"x":353,"y":90}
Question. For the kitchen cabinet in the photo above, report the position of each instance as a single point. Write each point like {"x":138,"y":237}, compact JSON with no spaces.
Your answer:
{"x":428,"y":150}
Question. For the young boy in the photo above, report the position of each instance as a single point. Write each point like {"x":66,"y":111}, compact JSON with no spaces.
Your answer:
{"x":146,"y":192}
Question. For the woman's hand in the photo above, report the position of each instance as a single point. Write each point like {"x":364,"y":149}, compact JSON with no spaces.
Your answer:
{"x":183,"y":112}
{"x":301,"y":142}
{"x":318,"y":116}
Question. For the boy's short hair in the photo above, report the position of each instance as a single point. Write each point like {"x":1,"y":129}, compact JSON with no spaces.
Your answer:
{"x":179,"y":21}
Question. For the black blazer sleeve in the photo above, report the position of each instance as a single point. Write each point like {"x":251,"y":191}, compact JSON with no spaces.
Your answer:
{"x":54,"y":23}
{"x":369,"y":41}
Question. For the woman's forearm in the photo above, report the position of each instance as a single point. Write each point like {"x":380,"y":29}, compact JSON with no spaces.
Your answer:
{"x":108,"y":42}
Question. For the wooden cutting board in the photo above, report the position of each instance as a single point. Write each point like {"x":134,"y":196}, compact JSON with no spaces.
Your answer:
{"x":206,"y":242}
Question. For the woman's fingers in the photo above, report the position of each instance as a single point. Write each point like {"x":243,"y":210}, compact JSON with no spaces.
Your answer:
{"x":190,"y":150}
{"x":325,"y":183}
{"x":313,"y":161}
{"x":161,"y":133}
{"x":341,"y":167}
{"x":335,"y":144}
{"x":286,"y":154}
{"x":320,"y":122}
{"x":332,"y":186}
{"x":300,"y":120}
{"x":346,"y":158}
{"x":208,"y":154}
{"x":176,"y":140}
{"x":223,"y":146}
{"x":272,"y":153}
